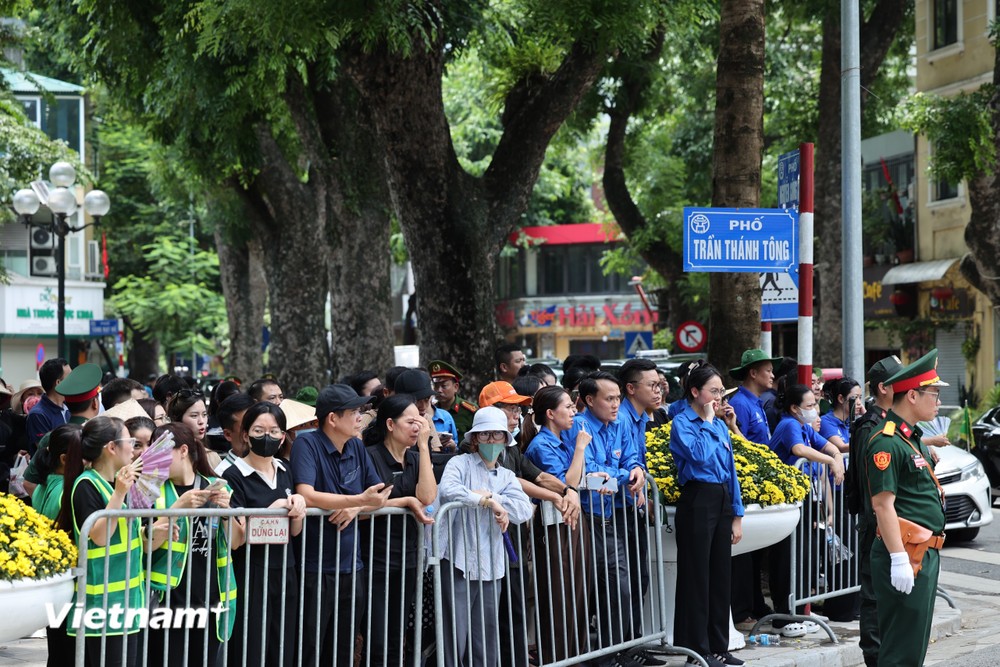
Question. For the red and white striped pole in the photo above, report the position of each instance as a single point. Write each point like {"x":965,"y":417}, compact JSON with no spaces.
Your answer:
{"x":805,"y":264}
{"x":765,"y":337}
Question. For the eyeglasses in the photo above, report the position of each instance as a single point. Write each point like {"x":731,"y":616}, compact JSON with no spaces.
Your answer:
{"x":162,"y":419}
{"x":494,"y":436}
{"x":130,"y":441}
{"x":259,"y":432}
{"x":651,"y":384}
{"x":514,"y":410}
{"x":716,"y":392}
{"x":935,"y":394}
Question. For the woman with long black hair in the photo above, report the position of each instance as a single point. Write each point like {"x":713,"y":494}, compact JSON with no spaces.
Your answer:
{"x":709,"y":519}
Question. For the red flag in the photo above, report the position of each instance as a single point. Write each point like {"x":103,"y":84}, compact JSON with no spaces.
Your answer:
{"x":104,"y":254}
{"x":888,"y":178}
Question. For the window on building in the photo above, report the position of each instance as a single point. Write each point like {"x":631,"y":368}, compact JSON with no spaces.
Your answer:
{"x":31,"y":110}
{"x":576,"y":269}
{"x":945,"y":22}
{"x":62,"y":121}
{"x":945,"y":190}
{"x":510,"y":276}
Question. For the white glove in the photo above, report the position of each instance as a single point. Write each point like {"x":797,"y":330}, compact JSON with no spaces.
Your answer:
{"x":901,"y":572}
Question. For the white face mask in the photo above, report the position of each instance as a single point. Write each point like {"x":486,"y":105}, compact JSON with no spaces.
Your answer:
{"x":808,"y":416}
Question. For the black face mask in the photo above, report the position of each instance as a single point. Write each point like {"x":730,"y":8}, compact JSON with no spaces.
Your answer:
{"x":265,"y":445}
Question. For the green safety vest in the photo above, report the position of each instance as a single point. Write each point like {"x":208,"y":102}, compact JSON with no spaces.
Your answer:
{"x":170,"y":559}
{"x":123,"y":559}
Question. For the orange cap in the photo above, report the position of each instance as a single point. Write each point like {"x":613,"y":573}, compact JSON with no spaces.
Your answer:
{"x":501,"y":392}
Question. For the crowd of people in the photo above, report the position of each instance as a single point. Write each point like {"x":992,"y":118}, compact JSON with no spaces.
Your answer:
{"x":571,"y":454}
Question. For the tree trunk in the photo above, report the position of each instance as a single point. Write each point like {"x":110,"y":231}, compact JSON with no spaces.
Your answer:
{"x":244,"y":288}
{"x":982,"y":234}
{"x":143,"y":355}
{"x":358,"y":267}
{"x":454,"y":224}
{"x":877,"y":35}
{"x":736,"y":162}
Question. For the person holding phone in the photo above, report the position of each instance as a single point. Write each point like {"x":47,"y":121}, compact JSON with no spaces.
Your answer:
{"x":199,"y":555}
{"x":398,"y":443}
{"x":709,"y":519}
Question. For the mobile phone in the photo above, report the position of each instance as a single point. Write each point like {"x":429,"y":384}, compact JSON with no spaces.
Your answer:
{"x":395,"y":477}
{"x":217,"y":485}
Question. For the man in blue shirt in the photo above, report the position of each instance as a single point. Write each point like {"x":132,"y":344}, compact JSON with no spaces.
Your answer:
{"x":756,"y":372}
{"x":333,"y":471}
{"x":608,"y":457}
{"x":50,"y":411}
{"x":640,"y":387}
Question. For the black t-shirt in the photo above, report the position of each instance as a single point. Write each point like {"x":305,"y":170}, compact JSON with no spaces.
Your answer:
{"x":252,"y":490}
{"x":201,"y":568}
{"x":392,"y":532}
{"x":87,"y":500}
{"x":514,"y":460}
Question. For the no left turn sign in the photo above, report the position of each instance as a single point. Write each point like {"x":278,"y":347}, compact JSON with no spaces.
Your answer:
{"x":690,"y":336}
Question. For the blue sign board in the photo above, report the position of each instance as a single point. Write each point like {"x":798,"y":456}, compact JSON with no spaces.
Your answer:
{"x":637,"y":341}
{"x":788,"y":180}
{"x":103,"y":327}
{"x":741,"y":240}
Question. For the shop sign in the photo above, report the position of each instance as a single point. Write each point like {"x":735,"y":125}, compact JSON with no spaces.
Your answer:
{"x":875,"y":295}
{"x":613,"y":314}
{"x":32,"y":309}
{"x":951,"y":303}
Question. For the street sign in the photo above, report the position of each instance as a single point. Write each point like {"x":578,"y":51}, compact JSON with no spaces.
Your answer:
{"x":735,"y":240}
{"x":779,"y":296}
{"x":103,"y":327}
{"x":690,"y":336}
{"x":788,"y":180}
{"x":637,"y":341}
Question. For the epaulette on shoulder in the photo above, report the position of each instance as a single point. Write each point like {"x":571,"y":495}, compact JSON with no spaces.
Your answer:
{"x":469,"y":406}
{"x":889,"y":429}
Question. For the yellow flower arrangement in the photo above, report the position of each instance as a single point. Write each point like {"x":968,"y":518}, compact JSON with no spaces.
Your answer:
{"x":764,"y":479}
{"x":31,"y":547}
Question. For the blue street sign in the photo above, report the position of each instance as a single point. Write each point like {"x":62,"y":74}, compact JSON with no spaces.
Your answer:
{"x":636,"y":341}
{"x":735,"y":240}
{"x":788,"y":180}
{"x":103,"y":327}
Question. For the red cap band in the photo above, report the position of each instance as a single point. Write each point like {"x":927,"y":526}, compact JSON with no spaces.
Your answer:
{"x":80,"y":398}
{"x":916,"y":382}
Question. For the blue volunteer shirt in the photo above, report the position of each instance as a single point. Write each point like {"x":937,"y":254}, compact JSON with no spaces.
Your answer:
{"x":677,"y":407}
{"x":606,"y":453}
{"x":550,"y":454}
{"x":443,"y":421}
{"x":316,"y":462}
{"x":750,"y":416}
{"x":703,"y":452}
{"x":632,"y":424}
{"x":831,"y":425}
{"x":790,"y":432}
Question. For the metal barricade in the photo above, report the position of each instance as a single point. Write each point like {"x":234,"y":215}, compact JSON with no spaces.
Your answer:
{"x":548,"y":593}
{"x":822,"y":553}
{"x":283,"y":611}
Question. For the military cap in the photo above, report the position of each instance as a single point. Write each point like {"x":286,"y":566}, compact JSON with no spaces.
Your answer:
{"x":921,"y":373}
{"x":82,"y":384}
{"x":751,"y":357}
{"x":443,"y":370}
{"x":307,"y":395}
{"x":883,"y":369}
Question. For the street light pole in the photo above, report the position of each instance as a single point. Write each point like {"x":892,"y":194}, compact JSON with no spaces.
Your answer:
{"x":62,"y":202}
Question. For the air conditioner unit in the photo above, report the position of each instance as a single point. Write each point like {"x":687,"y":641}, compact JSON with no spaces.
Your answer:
{"x":43,"y":266}
{"x":42,"y":239}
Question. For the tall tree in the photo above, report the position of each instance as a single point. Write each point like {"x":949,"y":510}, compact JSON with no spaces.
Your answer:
{"x":738,"y":150}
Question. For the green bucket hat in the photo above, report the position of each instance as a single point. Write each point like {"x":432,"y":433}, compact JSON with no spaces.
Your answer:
{"x":751,"y":357}
{"x":307,"y":395}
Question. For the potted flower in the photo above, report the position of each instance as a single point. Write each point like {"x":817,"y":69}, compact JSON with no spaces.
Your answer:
{"x":36,"y":561}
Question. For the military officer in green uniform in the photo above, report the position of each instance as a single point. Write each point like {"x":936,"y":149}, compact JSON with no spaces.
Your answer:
{"x":446,"y":379}
{"x":907,"y":502}
{"x":81,"y":393}
{"x":860,"y":503}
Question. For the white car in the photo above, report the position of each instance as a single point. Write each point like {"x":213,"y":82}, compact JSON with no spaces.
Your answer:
{"x":967,"y":493}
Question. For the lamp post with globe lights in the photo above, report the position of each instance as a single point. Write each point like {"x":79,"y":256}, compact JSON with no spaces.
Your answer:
{"x":62,"y":202}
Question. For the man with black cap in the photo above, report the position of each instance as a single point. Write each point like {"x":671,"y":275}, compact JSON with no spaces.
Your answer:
{"x":908,"y":504}
{"x":80,"y":392}
{"x":333,"y":471}
{"x":417,"y":384}
{"x":859,"y":502}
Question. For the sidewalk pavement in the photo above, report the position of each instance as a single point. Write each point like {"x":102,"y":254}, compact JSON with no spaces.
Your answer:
{"x":954,"y":632}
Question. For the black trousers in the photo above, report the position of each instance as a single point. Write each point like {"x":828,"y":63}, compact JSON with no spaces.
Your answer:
{"x":333,"y":609}
{"x":393,"y":595}
{"x":704,"y":553}
{"x":203,"y":646}
{"x":112,"y":650}
{"x":272,"y":640}
{"x":512,"y":616}
{"x":870,"y":640}
{"x":632,"y":521}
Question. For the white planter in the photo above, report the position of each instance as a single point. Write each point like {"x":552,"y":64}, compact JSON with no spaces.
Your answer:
{"x":762,"y":527}
{"x":25,"y":600}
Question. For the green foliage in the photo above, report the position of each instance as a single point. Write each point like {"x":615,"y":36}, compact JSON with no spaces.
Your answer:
{"x":663,"y":339}
{"x":959,"y":130}
{"x":175,"y":301}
